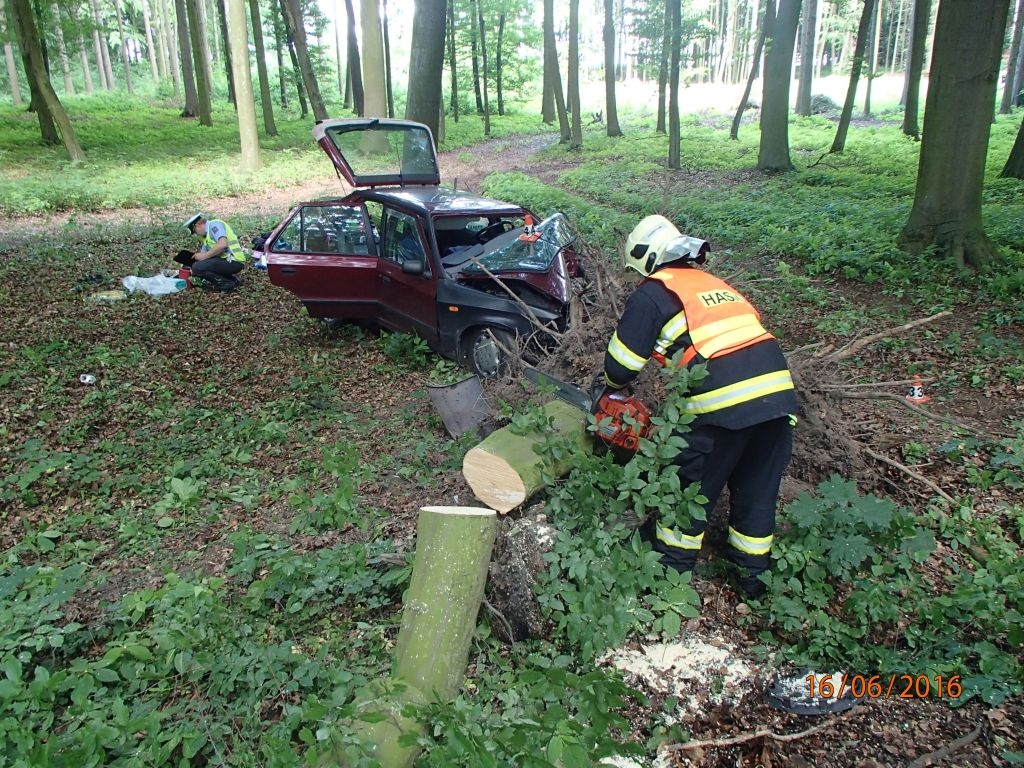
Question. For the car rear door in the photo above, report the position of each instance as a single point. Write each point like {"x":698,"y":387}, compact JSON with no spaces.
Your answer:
{"x":408,"y":296}
{"x":325,"y":254}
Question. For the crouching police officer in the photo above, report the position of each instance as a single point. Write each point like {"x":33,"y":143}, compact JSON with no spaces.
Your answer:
{"x":220,"y":258}
{"x":742,"y":435}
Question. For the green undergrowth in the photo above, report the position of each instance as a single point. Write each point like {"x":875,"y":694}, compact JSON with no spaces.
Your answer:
{"x":838,"y":214}
{"x":140,"y":153}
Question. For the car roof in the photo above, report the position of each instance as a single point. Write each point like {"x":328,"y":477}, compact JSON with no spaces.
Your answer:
{"x":439,"y":200}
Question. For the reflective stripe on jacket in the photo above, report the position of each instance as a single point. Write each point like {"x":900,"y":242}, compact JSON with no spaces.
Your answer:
{"x":234,"y":251}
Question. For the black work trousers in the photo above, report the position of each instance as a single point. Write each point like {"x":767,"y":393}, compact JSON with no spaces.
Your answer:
{"x":751,"y":462}
{"x":218,"y":272}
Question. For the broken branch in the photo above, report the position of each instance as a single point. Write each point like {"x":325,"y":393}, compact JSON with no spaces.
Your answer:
{"x":954,"y":746}
{"x":765,"y":733}
{"x":856,"y":346}
{"x":908,"y":471}
{"x":526,"y":307}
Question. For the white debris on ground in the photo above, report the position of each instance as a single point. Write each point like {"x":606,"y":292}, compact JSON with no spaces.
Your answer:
{"x":697,"y":673}
{"x":617,"y":761}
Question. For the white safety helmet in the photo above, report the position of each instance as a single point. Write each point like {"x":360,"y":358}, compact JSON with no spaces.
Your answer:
{"x":655,"y":241}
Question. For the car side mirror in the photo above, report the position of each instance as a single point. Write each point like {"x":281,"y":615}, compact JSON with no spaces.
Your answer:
{"x":413,"y":267}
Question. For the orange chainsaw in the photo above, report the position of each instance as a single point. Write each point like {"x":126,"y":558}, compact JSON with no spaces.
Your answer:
{"x":622,"y":419}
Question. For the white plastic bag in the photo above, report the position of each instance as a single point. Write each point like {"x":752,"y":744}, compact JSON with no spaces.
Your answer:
{"x":158,"y":285}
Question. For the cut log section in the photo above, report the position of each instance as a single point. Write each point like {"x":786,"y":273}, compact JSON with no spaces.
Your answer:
{"x":504,"y":470}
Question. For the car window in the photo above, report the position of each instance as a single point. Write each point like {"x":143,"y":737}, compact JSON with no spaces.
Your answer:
{"x":401,"y":238}
{"x":326,"y":229}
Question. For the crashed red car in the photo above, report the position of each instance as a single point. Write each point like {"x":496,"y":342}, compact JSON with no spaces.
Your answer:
{"x":411,"y":256}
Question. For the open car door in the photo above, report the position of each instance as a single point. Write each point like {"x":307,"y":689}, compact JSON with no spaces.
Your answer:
{"x":377,"y":152}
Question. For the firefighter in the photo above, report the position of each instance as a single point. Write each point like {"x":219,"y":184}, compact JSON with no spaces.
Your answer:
{"x":742,"y":434}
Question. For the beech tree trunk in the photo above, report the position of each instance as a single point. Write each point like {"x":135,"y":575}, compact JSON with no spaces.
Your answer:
{"x":387,"y":59}
{"x":222,"y":14}
{"x":766,"y":19}
{"x":12,"y":69}
{"x":124,"y":46}
{"x":296,"y":74}
{"x":611,"y":113}
{"x":266,"y":102}
{"x":28,"y":36}
{"x":172,"y":56}
{"x":201,"y":59}
{"x":554,"y":71}
{"x":915,"y":65}
{"x":83,"y":60}
{"x":154,"y":69}
{"x":449,"y":572}
{"x":245,"y":103}
{"x":674,"y":132}
{"x":1009,"y":94}
{"x":426,"y":64}
{"x":504,"y":471}
{"x":867,"y":13}
{"x":666,"y":49}
{"x":483,"y":68}
{"x":957,"y":119}
{"x":808,"y":45}
{"x":498,"y":63}
{"x":62,"y":51}
{"x":547,"y":102}
{"x":773,"y":154}
{"x":191,"y":108}
{"x":355,"y":70}
{"x":1014,"y":168}
{"x":101,"y":26}
{"x":279,"y":43}
{"x":453,"y":62}
{"x":297,"y":27}
{"x":474,"y":31}
{"x":374,"y":94}
{"x":1018,"y":78}
{"x":876,"y":30}
{"x":575,"y":106}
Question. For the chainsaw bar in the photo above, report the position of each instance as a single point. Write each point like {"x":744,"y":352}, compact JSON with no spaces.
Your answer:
{"x":569,"y":393}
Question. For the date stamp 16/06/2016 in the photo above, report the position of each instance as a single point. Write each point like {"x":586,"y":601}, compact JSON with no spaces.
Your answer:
{"x":894,"y":686}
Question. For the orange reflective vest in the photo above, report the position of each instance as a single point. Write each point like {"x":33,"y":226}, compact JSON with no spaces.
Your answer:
{"x":718,"y":319}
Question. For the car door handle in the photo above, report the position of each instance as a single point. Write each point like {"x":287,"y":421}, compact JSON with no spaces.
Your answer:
{"x":385,"y":278}
{"x":287,"y":270}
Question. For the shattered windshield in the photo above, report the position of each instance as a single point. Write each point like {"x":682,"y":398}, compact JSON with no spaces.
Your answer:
{"x":511,"y":253}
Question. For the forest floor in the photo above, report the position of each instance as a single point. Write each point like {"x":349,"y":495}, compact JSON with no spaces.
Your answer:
{"x":154,"y":360}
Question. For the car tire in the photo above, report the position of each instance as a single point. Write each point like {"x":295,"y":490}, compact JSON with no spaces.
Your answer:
{"x":489,"y":351}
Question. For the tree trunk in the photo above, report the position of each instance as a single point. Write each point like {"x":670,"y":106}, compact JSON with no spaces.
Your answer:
{"x":12,"y":69}
{"x":29,"y":38}
{"x":957,"y":118}
{"x":154,"y":70}
{"x":915,"y":64}
{"x":474,"y":31}
{"x":867,"y":13}
{"x":773,"y":154}
{"x":1018,"y":78}
{"x":172,"y":57}
{"x":575,"y":105}
{"x":297,"y":77}
{"x":342,"y":79}
{"x":504,"y":471}
{"x":279,"y":43}
{"x":1014,"y":168}
{"x":98,"y":53}
{"x":374,"y":91}
{"x":426,"y":64}
{"x":245,"y":103}
{"x":185,"y":52}
{"x":449,"y":572}
{"x":163,"y":65}
{"x":124,"y":46}
{"x":497,"y":63}
{"x":222,"y":14}
{"x":453,"y":63}
{"x":266,"y":102}
{"x":554,"y":71}
{"x":108,"y":69}
{"x":83,"y":60}
{"x":387,"y":59}
{"x":674,"y":133}
{"x":611,"y":113}
{"x":354,"y":65}
{"x":201,"y":60}
{"x":62,"y":51}
{"x":1006,"y":103}
{"x":547,"y":103}
{"x":766,"y":19}
{"x":808,"y":45}
{"x":207,"y":12}
{"x":666,"y":52}
{"x":297,"y":27}
{"x":896,"y":46}
{"x":876,"y":29}
{"x":483,"y":68}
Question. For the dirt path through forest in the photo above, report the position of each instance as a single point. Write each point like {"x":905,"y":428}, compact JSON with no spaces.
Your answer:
{"x":465,"y":166}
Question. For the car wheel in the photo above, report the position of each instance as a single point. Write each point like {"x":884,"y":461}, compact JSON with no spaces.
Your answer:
{"x":488,"y":351}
